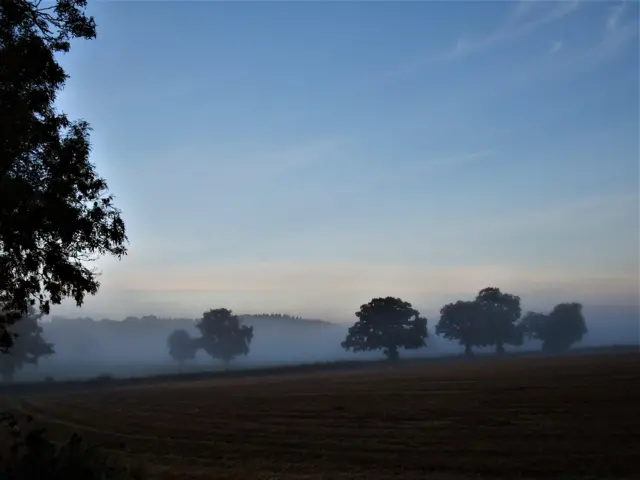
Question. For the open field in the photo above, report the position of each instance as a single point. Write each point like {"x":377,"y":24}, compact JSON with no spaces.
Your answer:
{"x":572,"y":417}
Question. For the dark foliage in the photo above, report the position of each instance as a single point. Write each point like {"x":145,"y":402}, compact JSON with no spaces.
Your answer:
{"x":387,"y":324}
{"x":500,"y":313}
{"x":56,"y":214}
{"x":181,"y":346}
{"x":31,"y":455}
{"x":463,"y":321}
{"x":558,"y":330}
{"x":223,"y":336}
{"x":28,"y":345}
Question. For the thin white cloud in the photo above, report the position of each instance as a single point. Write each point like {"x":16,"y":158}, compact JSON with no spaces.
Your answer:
{"x":257,"y":164}
{"x":261,"y":165}
{"x":521,"y":10}
{"x":432,"y":166}
{"x":426,"y":168}
{"x":517,"y":24}
{"x":614,"y":17}
{"x":612,"y":44}
{"x":560,"y":216}
{"x":556,"y":46}
{"x":606,"y":47}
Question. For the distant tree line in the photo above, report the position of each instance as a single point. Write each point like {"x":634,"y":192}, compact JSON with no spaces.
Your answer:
{"x":275,"y":315}
{"x":390,"y":324}
{"x":492,"y":319}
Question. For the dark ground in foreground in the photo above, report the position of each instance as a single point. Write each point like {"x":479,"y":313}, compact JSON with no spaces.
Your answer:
{"x":571,"y":417}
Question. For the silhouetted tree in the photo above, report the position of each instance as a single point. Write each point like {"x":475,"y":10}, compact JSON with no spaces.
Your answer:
{"x":500,"y":313}
{"x":463,"y":321}
{"x":223,"y":336}
{"x":181,"y":346}
{"x":55,"y":211}
{"x":28,"y":345}
{"x":534,"y":325}
{"x":558,"y":330}
{"x":387,"y":324}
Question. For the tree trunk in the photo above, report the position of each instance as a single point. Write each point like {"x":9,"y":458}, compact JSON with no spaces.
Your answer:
{"x":468,"y":350}
{"x":392,"y":354}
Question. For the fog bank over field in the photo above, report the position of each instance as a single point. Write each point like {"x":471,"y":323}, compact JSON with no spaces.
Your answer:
{"x":136,"y":346}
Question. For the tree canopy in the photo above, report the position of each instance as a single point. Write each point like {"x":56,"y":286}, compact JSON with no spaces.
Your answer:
{"x":387,"y":324}
{"x":56,"y":214}
{"x":181,"y":346}
{"x":28,"y":345}
{"x":559,"y":330}
{"x":500,"y":313}
{"x":463,"y":321}
{"x":223,"y":336}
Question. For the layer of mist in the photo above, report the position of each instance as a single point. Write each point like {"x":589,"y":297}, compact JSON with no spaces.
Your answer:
{"x":85,"y":348}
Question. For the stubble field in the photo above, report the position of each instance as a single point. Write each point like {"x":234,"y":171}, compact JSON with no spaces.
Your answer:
{"x":574,"y":417}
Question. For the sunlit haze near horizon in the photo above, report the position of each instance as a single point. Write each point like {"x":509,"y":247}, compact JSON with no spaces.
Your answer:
{"x":304,"y":157}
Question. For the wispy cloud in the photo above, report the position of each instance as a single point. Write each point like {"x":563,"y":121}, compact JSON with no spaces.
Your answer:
{"x":432,"y":166}
{"x":427,"y":167}
{"x":560,"y":216}
{"x":257,"y":164}
{"x":521,"y":10}
{"x":262,"y":165}
{"x":606,"y":45}
{"x":614,"y":17}
{"x":519,"y":22}
{"x":556,"y":46}
{"x":613,"y":42}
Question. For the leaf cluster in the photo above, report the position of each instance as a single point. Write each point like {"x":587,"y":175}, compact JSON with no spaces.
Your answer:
{"x":56,"y":214}
{"x":222,"y":335}
{"x":387,"y":324}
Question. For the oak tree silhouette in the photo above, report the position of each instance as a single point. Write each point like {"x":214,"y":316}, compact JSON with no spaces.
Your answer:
{"x":387,"y":324}
{"x":181,"y":346}
{"x":56,"y":214}
{"x":223,"y":336}
{"x":559,"y":330}
{"x":500,"y":313}
{"x":463,"y":321}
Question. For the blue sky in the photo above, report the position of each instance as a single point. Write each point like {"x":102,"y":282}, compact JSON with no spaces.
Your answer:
{"x":305,"y":157}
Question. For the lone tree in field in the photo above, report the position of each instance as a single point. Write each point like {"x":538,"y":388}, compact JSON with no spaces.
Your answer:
{"x":28,"y":345}
{"x":558,"y":330}
{"x":181,"y":346}
{"x":499,"y":315}
{"x":223,"y":336}
{"x":387,"y":324}
{"x":463,"y":321}
{"x":55,"y":210}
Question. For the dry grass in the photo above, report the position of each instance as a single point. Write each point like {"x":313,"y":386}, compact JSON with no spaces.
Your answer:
{"x":573,"y":417}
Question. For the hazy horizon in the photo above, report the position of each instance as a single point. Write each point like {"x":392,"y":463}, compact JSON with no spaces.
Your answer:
{"x":304,"y":158}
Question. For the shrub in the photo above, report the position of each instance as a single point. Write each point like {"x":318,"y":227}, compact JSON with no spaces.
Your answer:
{"x":30,"y":455}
